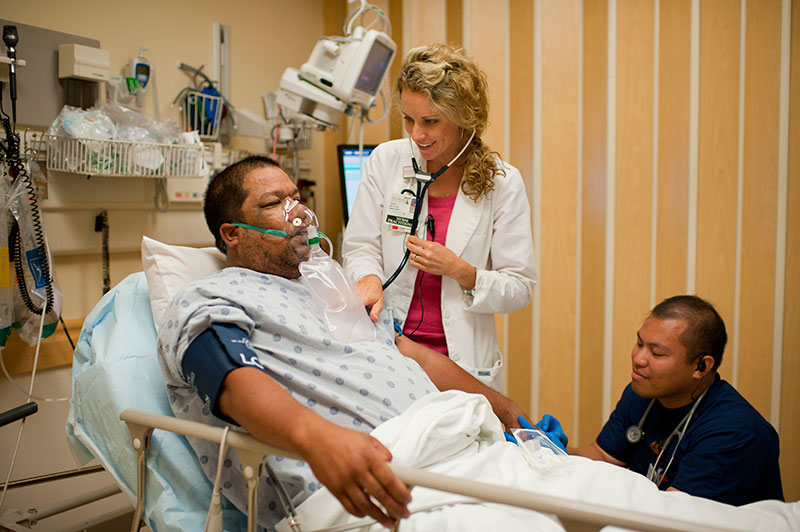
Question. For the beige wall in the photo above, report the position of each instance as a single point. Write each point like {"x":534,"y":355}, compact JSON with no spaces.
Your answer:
{"x":660,"y":158}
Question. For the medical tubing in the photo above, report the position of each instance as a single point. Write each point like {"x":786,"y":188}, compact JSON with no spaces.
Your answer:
{"x":214,"y":516}
{"x":275,"y":129}
{"x":348,"y":24}
{"x":13,"y":458}
{"x":421,"y":308}
{"x":23,"y":392}
{"x":283,"y":496}
{"x":104,"y":247}
{"x":421,"y":190}
{"x":66,"y":332}
{"x":30,"y":393}
{"x":680,"y":437}
{"x":328,"y":240}
{"x":20,"y":173}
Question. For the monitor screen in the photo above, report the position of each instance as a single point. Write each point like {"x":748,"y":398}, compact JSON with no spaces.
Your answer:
{"x":350,"y":174}
{"x":375,"y":65}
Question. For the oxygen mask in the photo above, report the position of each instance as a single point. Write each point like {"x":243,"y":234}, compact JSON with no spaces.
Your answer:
{"x":300,"y":227}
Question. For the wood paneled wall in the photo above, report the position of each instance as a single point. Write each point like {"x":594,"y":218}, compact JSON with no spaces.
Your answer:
{"x":660,"y":156}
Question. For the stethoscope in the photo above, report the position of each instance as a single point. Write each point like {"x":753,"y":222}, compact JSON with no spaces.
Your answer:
{"x":634,"y":434}
{"x":424,"y":179}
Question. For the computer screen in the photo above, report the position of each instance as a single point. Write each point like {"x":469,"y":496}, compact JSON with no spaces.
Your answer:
{"x":350,"y":174}
{"x":378,"y":60}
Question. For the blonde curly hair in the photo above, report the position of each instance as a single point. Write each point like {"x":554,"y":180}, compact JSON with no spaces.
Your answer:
{"x":457,"y":88}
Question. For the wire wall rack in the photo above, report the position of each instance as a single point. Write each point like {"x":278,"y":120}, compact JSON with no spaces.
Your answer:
{"x":202,"y":112}
{"x":123,"y":158}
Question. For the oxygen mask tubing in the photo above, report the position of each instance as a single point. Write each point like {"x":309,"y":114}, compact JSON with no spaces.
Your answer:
{"x":298,"y":220}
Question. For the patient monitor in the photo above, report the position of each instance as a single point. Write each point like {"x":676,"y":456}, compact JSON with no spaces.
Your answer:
{"x":341,"y":74}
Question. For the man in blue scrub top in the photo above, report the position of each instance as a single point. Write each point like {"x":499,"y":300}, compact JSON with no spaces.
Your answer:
{"x":728,"y":451}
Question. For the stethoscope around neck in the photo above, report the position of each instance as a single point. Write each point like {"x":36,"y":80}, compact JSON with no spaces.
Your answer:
{"x":424,"y":179}
{"x":634,"y":435}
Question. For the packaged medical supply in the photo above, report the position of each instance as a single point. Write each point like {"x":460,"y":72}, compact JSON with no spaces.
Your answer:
{"x":542,"y":454}
{"x":91,"y":124}
{"x":35,"y":285}
{"x":6,"y":283}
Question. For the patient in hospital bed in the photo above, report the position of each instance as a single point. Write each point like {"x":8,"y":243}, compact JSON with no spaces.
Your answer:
{"x":246,"y":346}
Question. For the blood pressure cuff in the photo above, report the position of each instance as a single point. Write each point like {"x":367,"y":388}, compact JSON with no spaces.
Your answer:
{"x":216,"y":352}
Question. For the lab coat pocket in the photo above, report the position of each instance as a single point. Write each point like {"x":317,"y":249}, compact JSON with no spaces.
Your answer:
{"x":489,"y":376}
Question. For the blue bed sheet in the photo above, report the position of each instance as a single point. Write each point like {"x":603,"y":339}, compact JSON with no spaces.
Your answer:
{"x":115,"y":367}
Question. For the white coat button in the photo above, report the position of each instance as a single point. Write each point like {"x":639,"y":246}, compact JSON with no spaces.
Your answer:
{"x":454,"y":357}
{"x":447,"y":314}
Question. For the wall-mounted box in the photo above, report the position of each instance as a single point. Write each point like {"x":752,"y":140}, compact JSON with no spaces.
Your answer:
{"x":83,"y":62}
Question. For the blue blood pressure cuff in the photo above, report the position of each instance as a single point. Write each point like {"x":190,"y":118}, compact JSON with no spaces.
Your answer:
{"x":216,"y":352}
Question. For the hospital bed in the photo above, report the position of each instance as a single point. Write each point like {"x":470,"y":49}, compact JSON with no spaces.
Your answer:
{"x":119,"y":399}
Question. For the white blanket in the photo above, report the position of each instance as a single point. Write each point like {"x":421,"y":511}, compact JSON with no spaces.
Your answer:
{"x":457,"y":434}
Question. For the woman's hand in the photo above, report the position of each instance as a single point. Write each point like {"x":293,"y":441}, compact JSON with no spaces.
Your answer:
{"x":370,"y":290}
{"x":432,"y":257}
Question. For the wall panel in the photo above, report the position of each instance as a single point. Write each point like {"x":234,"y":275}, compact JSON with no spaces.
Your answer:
{"x":427,"y":25}
{"x":717,"y":171}
{"x":790,"y":393}
{"x":518,"y":351}
{"x":593,"y":219}
{"x":486,"y":21}
{"x":398,"y":24}
{"x":454,"y":30}
{"x":634,"y":160}
{"x":559,"y":122}
{"x":487,"y":29}
{"x":759,"y":196}
{"x":673,"y":148}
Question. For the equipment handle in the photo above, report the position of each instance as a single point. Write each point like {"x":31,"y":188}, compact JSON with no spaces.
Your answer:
{"x":10,"y":416}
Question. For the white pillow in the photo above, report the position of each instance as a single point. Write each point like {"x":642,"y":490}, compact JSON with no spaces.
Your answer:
{"x":169,"y":268}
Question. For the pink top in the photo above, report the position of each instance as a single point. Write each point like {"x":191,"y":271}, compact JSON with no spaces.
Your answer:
{"x":425,"y":312}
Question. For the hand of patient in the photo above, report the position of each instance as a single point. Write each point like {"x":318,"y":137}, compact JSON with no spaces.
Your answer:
{"x":354,"y":466}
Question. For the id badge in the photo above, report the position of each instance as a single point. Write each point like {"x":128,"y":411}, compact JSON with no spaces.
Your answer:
{"x":401,"y":212}
{"x":654,"y":476}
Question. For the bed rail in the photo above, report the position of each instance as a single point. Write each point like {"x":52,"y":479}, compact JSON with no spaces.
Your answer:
{"x":575,"y":516}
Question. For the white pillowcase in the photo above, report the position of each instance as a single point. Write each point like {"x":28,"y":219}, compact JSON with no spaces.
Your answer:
{"x":169,"y":268}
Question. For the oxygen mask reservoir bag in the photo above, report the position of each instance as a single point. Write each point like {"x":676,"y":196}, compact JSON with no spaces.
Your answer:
{"x":334,"y":297}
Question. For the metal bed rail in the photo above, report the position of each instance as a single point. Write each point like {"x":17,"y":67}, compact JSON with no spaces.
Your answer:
{"x":575,"y":516}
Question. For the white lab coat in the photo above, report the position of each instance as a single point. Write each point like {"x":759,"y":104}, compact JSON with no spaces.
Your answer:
{"x":493,"y":235}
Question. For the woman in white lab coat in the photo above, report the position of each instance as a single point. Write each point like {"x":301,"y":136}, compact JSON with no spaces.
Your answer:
{"x":474,"y":253}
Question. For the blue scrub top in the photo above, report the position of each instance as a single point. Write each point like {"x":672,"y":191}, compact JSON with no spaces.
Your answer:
{"x":729,"y":452}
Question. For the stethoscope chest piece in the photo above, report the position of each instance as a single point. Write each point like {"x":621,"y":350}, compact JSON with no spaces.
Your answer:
{"x":634,"y":434}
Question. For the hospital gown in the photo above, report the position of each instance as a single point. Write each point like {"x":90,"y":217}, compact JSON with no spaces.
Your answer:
{"x":357,"y":385}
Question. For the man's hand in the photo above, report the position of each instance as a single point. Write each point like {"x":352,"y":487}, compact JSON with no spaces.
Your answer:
{"x":370,"y":290}
{"x":354,"y":467}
